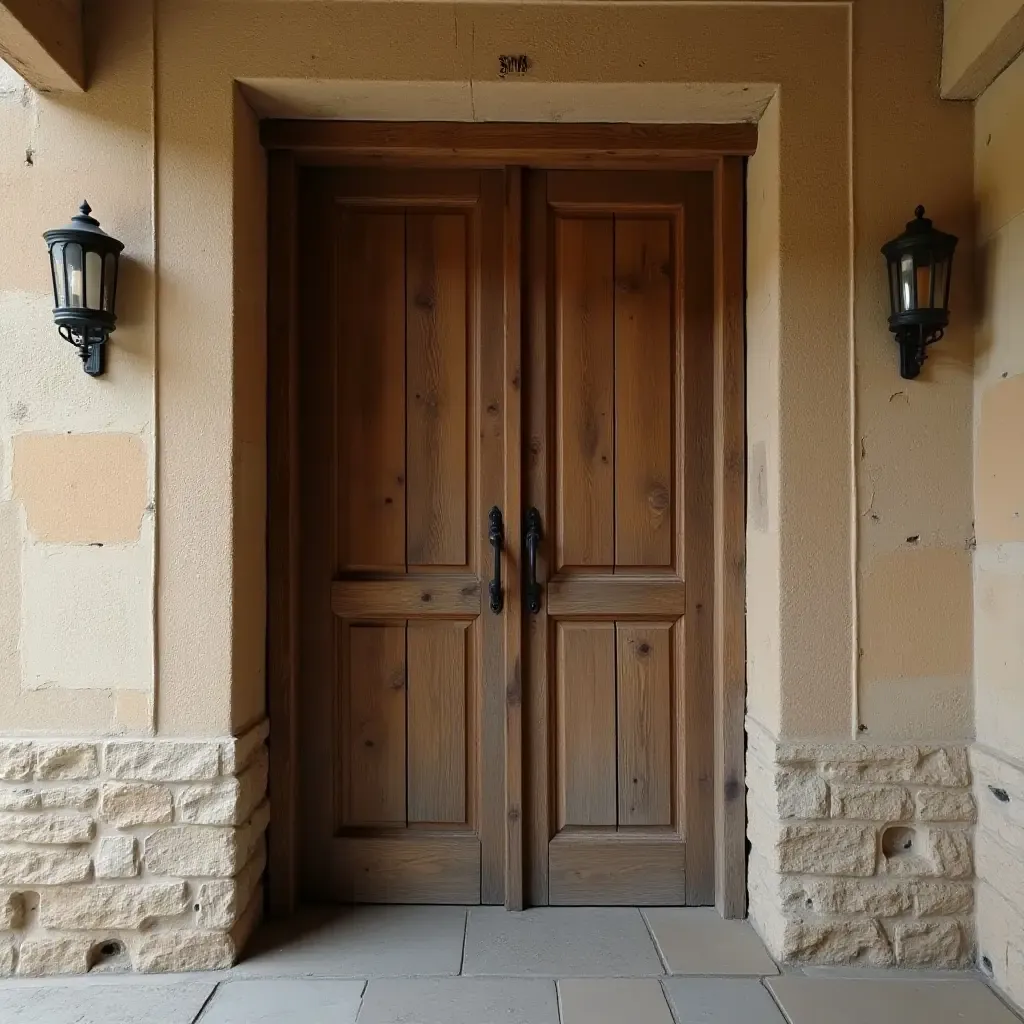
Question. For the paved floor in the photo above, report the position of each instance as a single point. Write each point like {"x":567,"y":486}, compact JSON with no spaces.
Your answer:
{"x":447,"y":965}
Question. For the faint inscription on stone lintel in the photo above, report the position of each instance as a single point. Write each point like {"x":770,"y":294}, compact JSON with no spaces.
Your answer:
{"x":513,"y":64}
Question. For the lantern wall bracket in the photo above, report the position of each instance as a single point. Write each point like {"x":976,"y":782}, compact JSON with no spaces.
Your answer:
{"x":913,"y":343}
{"x":92,"y":348}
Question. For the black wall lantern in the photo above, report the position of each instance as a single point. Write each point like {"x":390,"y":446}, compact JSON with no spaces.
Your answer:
{"x":920,"y":266}
{"x":83,"y":262}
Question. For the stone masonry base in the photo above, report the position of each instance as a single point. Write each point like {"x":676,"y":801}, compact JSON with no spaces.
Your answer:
{"x":143,"y":854}
{"x":861,"y":854}
{"x":999,"y":791}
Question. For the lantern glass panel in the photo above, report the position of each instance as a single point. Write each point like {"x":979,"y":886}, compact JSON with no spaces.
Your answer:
{"x":93,"y":279}
{"x":109,"y":282}
{"x":908,"y":282}
{"x":60,"y":292}
{"x":941,"y":282}
{"x":924,"y":281}
{"x":75,"y":272}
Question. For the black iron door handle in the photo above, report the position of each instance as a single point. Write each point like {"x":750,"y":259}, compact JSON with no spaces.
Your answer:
{"x":496,"y":535}
{"x":533,"y":537}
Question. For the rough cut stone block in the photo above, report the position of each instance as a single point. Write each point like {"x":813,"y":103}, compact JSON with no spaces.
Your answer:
{"x":250,"y":834}
{"x":826,"y":849}
{"x":210,"y":804}
{"x":66,"y":761}
{"x":219,"y":904}
{"x":945,"y":805}
{"x":44,"y":867}
{"x":870,"y":803}
{"x":951,"y":853}
{"x":46,"y":828}
{"x":12,"y":799}
{"x":801,"y":795}
{"x":16,"y":760}
{"x":128,"y":804}
{"x":116,"y":857}
{"x":836,"y":942}
{"x":236,"y":754}
{"x":76,"y":798}
{"x":57,"y":955}
{"x":6,"y":959}
{"x":200,"y":850}
{"x":943,"y":898}
{"x":180,"y":951}
{"x":928,"y":944}
{"x":12,"y":910}
{"x":847,"y":896}
{"x":943,"y":766}
{"x":131,"y":905}
{"x":162,"y":760}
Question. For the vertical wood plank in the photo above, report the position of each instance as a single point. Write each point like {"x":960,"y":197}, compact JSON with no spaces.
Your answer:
{"x":538,"y":386}
{"x":513,"y":376}
{"x":371,"y":281}
{"x":375,"y":731}
{"x":730,"y":544}
{"x":699,"y":698}
{"x":283,"y":529}
{"x":436,"y":389}
{"x":436,"y":773}
{"x":586,"y":724}
{"x":585,"y":367}
{"x":644,"y":695}
{"x":489,"y":244}
{"x":644,"y":342}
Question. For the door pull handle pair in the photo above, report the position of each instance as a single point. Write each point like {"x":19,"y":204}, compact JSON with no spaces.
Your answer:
{"x":533,"y":535}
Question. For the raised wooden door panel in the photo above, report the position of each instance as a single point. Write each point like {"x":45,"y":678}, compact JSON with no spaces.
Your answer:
{"x":618,"y":408}
{"x":401,"y":273}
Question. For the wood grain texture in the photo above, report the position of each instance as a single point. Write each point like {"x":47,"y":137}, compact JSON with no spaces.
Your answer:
{"x":698,"y":694}
{"x":624,"y":869}
{"x":530,"y":144}
{"x":370,"y":249}
{"x":436,"y":388}
{"x":644,"y":723}
{"x":585,"y":715}
{"x":607,"y":596}
{"x":427,"y":596}
{"x":538,"y":382}
{"x":644,"y":347}
{"x":412,"y":868}
{"x":585,"y":360}
{"x":513,"y":375}
{"x":437,"y":722}
{"x":283,"y":532}
{"x":730,"y":545}
{"x":375,"y":725}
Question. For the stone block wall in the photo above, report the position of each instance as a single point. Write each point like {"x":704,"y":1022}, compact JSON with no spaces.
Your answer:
{"x":143,"y":853}
{"x":861,"y":854}
{"x":999,"y":792}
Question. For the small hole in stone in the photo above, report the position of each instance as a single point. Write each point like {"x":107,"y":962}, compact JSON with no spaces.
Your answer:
{"x":986,"y":965}
{"x":808,"y":903}
{"x":196,"y":908}
{"x":898,"y":842}
{"x":109,"y":955}
{"x":1000,"y":794}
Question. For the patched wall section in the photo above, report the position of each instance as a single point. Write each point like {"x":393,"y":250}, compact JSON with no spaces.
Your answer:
{"x":998,"y":757}
{"x":148,"y":853}
{"x":861,"y":854}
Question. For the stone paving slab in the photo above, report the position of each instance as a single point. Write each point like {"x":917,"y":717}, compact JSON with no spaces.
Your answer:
{"x":285,"y":1001}
{"x":459,"y":1001}
{"x":888,"y":1001}
{"x":560,"y":942}
{"x":722,"y":1001}
{"x":612,"y":1001}
{"x":363,"y":942}
{"x":695,"y":940}
{"x":162,"y":1001}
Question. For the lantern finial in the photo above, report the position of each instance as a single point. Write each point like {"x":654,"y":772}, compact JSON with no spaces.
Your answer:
{"x":85,"y":209}
{"x":919,"y":213}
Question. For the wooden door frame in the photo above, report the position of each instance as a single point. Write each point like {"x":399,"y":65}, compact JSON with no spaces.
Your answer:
{"x":719,"y":149}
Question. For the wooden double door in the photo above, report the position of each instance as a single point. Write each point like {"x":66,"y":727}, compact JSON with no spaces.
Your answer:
{"x":505,"y":450}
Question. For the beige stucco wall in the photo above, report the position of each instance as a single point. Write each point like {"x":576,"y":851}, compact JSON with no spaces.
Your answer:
{"x":999,"y":524}
{"x":849,"y":145}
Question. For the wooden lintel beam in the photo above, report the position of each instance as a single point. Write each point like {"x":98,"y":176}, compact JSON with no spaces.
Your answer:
{"x":42,"y":40}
